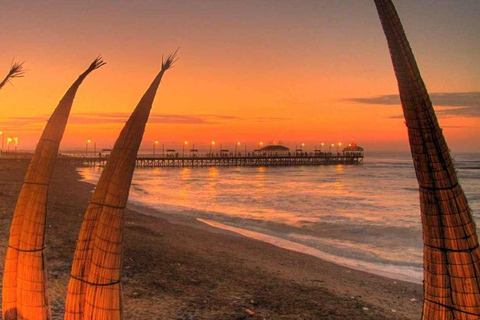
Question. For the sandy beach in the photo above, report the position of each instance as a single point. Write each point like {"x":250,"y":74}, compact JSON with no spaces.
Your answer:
{"x":183,"y":269}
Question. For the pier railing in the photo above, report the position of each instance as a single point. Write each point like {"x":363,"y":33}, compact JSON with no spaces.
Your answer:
{"x":223,"y":160}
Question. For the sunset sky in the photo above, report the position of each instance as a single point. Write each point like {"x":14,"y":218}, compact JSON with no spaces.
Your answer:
{"x":294,"y":71}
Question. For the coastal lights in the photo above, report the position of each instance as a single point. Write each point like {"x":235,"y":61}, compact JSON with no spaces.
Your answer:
{"x":338,"y":145}
{"x":1,"y":133}
{"x":8,"y":143}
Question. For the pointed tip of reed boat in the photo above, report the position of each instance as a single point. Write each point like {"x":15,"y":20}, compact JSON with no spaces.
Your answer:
{"x":16,"y":70}
{"x":170,"y":60}
{"x":97,"y":63}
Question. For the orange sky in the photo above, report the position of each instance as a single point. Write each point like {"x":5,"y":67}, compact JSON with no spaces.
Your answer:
{"x":249,"y":71}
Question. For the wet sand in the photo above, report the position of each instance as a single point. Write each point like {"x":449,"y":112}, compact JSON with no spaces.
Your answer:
{"x":182,"y":269}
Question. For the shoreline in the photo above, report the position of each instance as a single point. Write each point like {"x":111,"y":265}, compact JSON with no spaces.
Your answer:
{"x":182,"y":215}
{"x":188,"y":270}
{"x":276,"y":241}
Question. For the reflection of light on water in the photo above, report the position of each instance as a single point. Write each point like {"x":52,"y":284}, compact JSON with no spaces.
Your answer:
{"x":260,"y":178}
{"x":212,"y":173}
{"x":211,"y":187}
{"x":185,"y":173}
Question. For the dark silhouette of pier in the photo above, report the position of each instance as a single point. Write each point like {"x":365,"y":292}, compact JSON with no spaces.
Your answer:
{"x":223,"y":160}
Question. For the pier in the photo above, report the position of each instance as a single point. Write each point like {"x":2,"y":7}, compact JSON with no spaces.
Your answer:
{"x":222,"y":160}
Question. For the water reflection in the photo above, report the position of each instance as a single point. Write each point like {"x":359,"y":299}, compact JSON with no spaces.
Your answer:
{"x":367,"y":213}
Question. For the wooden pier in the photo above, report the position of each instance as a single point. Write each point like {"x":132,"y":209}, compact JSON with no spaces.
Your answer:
{"x":151,"y":161}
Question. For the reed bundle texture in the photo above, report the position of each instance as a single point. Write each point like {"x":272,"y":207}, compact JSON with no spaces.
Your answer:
{"x":451,"y":251}
{"x":24,"y":293}
{"x":95,"y":288}
{"x":16,"y":71}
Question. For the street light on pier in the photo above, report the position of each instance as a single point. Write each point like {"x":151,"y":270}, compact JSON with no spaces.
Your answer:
{"x":154,"y":145}
{"x":1,"y":134}
{"x":86,"y":146}
{"x":321,"y":145}
{"x":338,"y":145}
{"x":184,"y":144}
{"x":211,"y":145}
{"x":236,"y":146}
{"x":330,"y":148}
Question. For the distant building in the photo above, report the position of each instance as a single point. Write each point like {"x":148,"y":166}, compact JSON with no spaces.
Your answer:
{"x":353,"y":150}
{"x":273,"y":150}
{"x":105,"y":152}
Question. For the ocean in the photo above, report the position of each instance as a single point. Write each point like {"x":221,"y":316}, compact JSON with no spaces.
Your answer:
{"x":366,"y":217}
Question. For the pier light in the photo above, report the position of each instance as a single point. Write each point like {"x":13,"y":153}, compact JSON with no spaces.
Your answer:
{"x":303,"y":144}
{"x":1,"y":133}
{"x":260,"y":144}
{"x":339,"y":145}
{"x":154,"y":145}
{"x":86,"y":146}
{"x":211,"y":146}
{"x":236,"y":146}
{"x":184,"y":144}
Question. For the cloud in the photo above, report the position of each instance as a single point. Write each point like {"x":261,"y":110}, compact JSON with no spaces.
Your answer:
{"x":465,"y":104}
{"x":441,"y":99}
